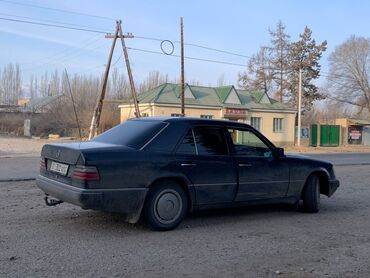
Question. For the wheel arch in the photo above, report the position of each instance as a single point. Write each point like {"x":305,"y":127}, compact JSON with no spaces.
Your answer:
{"x":323,"y":176}
{"x":183,"y":182}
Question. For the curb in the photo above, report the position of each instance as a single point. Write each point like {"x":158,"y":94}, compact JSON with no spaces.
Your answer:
{"x":353,"y":164}
{"x":17,"y":179}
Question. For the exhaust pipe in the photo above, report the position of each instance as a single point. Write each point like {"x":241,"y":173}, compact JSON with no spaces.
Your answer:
{"x":51,"y":202}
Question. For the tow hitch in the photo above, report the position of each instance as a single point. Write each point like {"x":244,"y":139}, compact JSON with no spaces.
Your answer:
{"x":51,"y":202}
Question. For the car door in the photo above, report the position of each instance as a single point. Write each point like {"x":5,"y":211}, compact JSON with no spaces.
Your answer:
{"x":203,"y":156}
{"x":261,"y":175}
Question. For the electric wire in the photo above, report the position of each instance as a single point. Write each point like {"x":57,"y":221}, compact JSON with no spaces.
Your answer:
{"x":52,"y":25}
{"x":57,"y":10}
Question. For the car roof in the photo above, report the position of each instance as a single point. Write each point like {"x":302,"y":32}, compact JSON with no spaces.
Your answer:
{"x":191,"y":120}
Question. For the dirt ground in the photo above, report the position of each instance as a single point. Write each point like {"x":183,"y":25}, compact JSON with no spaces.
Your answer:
{"x":267,"y":241}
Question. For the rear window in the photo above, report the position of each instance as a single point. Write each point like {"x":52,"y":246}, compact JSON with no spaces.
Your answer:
{"x":134,"y":133}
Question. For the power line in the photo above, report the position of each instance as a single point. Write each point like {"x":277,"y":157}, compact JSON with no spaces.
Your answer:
{"x":187,"y":57}
{"x":89,"y":29}
{"x":58,"y":58}
{"x":52,"y":25}
{"x":66,"y":50}
{"x":51,"y":21}
{"x":197,"y":45}
{"x":57,"y":10}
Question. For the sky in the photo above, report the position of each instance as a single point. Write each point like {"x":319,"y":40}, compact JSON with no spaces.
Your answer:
{"x":235,"y":26}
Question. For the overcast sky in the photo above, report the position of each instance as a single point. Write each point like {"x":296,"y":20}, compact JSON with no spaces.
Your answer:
{"x":237,"y":26}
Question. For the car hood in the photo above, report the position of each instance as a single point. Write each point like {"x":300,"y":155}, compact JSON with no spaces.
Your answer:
{"x":309,"y":160}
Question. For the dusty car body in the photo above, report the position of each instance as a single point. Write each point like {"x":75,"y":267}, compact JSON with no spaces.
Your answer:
{"x":162,"y":168}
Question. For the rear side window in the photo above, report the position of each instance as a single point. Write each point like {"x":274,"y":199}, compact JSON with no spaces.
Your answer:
{"x":187,"y":145}
{"x":210,"y":141}
{"x":133,"y":133}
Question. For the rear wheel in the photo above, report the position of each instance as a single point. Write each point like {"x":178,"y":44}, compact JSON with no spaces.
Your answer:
{"x":166,"y":206}
{"x":311,"y":194}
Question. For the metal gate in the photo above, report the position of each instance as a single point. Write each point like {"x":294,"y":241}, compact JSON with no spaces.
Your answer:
{"x":314,"y":135}
{"x":329,"y":135}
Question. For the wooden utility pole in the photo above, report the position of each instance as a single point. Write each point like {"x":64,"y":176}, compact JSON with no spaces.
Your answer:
{"x":182,"y":69}
{"x":95,"y":121}
{"x":299,"y":107}
{"x":131,"y":79}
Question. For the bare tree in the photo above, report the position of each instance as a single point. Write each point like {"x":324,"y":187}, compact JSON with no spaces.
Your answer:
{"x":279,"y":59}
{"x":10,"y":84}
{"x":44,"y":85}
{"x":349,"y":72}
{"x":154,"y":79}
{"x":259,"y":75}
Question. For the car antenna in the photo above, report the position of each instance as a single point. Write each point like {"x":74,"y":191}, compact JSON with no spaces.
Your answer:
{"x":74,"y":106}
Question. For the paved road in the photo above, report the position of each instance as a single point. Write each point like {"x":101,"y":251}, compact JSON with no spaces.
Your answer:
{"x":18,"y":168}
{"x":66,"y":241}
{"x":345,"y":158}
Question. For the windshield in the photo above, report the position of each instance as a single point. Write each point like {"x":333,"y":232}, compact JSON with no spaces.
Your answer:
{"x":133,"y":133}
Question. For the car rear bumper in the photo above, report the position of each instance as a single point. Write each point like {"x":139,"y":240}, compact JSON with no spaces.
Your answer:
{"x":333,"y":186}
{"x":128,"y":201}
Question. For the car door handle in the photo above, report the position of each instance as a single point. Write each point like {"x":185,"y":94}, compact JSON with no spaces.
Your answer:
{"x":188,"y":164}
{"x":245,"y":164}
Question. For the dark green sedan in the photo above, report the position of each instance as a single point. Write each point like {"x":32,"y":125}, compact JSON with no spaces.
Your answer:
{"x":163,"y":168}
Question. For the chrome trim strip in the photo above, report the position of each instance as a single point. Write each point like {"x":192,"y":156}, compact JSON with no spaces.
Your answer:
{"x":195,"y":143}
{"x":208,"y":184}
{"x":159,"y":132}
{"x":254,"y":182}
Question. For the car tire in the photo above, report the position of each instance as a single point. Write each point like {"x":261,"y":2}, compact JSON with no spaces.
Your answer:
{"x":166,"y":206}
{"x":311,"y":194}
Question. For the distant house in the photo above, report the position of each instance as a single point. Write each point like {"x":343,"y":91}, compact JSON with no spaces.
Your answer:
{"x":354,"y":131}
{"x":274,"y":119}
{"x":40,"y":104}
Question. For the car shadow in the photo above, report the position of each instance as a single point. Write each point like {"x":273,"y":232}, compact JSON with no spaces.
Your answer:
{"x":104,"y":221}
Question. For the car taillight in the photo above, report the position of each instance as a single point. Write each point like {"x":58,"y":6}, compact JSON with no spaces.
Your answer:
{"x":85,"y":174}
{"x":42,"y":164}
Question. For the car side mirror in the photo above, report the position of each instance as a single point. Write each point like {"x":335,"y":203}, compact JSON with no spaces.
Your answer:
{"x":279,"y":152}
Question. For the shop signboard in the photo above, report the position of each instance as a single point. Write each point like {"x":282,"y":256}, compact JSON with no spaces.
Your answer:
{"x":355,"y":135}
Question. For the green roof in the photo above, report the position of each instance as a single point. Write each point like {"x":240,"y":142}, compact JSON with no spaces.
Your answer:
{"x":359,"y":121}
{"x":169,"y":93}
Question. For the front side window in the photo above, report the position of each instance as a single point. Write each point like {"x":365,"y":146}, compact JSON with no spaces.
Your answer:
{"x":278,"y":125}
{"x":210,"y":141}
{"x":246,"y":143}
{"x":256,"y":122}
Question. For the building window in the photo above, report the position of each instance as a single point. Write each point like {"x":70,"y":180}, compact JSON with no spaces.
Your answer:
{"x":176,"y":115}
{"x":256,"y":122}
{"x":206,"y":116}
{"x":278,"y":125}
{"x":144,"y":115}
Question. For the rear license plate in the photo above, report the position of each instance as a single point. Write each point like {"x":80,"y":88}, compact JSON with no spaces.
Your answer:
{"x":59,"y":168}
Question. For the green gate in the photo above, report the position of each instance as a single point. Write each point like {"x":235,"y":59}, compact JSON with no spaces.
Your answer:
{"x":329,"y":135}
{"x":314,"y":135}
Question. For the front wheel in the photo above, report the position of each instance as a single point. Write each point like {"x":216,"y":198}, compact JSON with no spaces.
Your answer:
{"x":311,"y":195}
{"x":166,"y":206}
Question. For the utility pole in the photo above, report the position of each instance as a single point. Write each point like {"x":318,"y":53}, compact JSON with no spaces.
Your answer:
{"x":131,"y":79}
{"x":299,"y":107}
{"x":95,"y":121}
{"x":182,"y":69}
